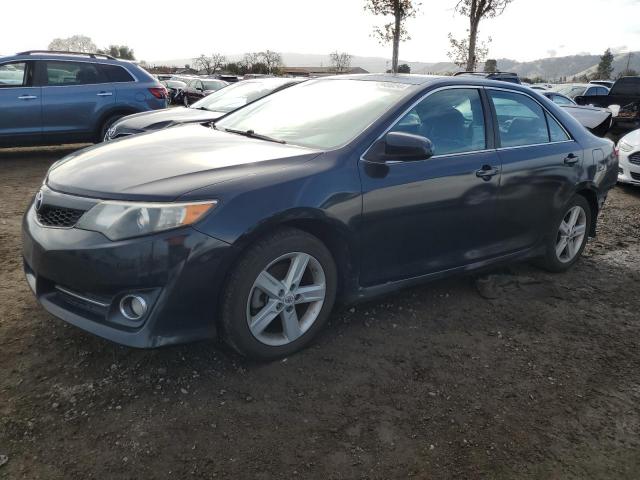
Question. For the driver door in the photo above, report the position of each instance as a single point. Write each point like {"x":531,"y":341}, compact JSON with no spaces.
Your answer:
{"x":428,"y":216}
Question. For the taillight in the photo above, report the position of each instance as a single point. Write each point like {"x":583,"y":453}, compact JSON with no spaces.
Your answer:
{"x":158,"y":92}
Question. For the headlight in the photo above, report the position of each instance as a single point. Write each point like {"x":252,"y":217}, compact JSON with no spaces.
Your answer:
{"x":118,"y":220}
{"x":624,"y":146}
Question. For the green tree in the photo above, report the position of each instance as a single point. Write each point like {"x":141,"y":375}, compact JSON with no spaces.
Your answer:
{"x":404,"y":68}
{"x":468,"y":51}
{"x":491,"y":66}
{"x":119,"y":51}
{"x":605,"y":67}
{"x":395,"y":31}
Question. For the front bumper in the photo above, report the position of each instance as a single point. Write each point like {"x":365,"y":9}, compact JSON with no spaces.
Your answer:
{"x":628,"y":170}
{"x":81,"y":276}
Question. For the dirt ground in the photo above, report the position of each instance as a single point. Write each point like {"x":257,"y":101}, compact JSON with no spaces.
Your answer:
{"x":519,"y":374}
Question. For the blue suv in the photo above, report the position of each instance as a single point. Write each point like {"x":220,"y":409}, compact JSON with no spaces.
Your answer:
{"x":51,"y":97}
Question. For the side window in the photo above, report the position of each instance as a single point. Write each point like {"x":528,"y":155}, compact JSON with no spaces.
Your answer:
{"x":601,"y":91}
{"x":13,"y":74}
{"x":521,"y":120}
{"x":452,"y":119}
{"x":72,"y":73}
{"x":115,"y":73}
{"x":556,"y":132}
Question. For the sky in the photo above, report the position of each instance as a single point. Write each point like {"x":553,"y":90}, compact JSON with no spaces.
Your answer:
{"x":528,"y":29}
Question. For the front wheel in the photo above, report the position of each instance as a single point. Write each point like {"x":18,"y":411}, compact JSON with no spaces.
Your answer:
{"x":279,"y":295}
{"x":569,"y":237}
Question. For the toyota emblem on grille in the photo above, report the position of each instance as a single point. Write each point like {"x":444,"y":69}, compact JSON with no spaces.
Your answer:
{"x":39,"y":198}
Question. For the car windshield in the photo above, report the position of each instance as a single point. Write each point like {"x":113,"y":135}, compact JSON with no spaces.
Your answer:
{"x":213,"y":84}
{"x":237,"y":95}
{"x":319,"y":114}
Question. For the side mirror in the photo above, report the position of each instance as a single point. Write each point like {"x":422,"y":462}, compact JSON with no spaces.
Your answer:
{"x":400,"y":146}
{"x":406,"y":147}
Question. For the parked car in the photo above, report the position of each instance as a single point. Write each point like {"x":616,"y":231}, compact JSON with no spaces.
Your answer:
{"x":203,"y":111}
{"x":175,"y":89}
{"x":605,"y":83}
{"x":629,"y":153}
{"x":327,"y":190}
{"x":199,"y":88}
{"x":52,"y":98}
{"x":597,"y":120}
{"x":573,"y":90}
{"x":502,"y":76}
{"x":623,"y":100}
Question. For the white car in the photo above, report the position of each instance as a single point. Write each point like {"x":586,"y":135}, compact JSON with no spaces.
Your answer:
{"x":629,"y":158}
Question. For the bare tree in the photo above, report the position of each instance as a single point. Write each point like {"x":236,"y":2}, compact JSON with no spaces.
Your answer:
{"x":272,"y":60}
{"x":77,"y":43}
{"x":249,"y":60}
{"x":209,"y":63}
{"x":393,"y":32}
{"x":340,"y":61}
{"x":468,"y":50}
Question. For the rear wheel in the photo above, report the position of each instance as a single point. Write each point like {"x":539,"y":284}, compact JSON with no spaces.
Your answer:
{"x":279,"y":295}
{"x":108,"y":123}
{"x":569,"y":237}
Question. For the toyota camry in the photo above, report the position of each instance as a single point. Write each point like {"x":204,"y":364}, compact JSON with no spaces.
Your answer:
{"x":333,"y":190}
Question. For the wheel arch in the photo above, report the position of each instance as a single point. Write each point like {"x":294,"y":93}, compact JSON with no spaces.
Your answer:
{"x":590,"y":194}
{"x":338,"y":239}
{"x":115,"y":110}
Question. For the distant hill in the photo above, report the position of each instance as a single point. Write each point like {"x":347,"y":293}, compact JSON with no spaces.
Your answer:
{"x":548,"y":68}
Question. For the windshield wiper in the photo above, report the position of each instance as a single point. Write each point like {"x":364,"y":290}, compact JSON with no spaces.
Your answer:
{"x":251,"y":134}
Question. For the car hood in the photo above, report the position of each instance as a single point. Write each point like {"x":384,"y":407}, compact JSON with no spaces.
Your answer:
{"x":589,"y":117}
{"x":632,"y":138}
{"x":166,"y":117}
{"x":163,"y":165}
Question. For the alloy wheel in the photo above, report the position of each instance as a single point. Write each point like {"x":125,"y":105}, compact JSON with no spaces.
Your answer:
{"x":286,"y":299}
{"x":571,"y":234}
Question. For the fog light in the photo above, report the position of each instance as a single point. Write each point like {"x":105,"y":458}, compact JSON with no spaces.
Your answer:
{"x":133,"y":307}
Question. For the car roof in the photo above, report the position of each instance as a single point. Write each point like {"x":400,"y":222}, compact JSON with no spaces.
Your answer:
{"x":430,"y":80}
{"x":69,"y":57}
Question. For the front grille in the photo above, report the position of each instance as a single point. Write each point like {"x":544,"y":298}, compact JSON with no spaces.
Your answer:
{"x":52,"y":216}
{"x":635,"y":158}
{"x":635,"y":176}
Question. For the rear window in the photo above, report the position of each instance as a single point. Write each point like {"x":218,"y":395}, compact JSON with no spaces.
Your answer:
{"x":114,"y":73}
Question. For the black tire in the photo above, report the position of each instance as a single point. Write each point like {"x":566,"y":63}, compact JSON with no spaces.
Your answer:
{"x":185,"y":100}
{"x":234,"y":323}
{"x":108,"y":123}
{"x":550,"y":260}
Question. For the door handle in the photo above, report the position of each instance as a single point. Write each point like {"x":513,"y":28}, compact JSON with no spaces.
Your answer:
{"x":27,"y":97}
{"x":105,"y":94}
{"x":486,"y":172}
{"x":571,"y":159}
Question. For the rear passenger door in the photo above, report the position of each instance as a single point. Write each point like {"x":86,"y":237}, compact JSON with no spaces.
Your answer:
{"x":540,"y":166}
{"x":75,"y":94}
{"x":20,"y":104}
